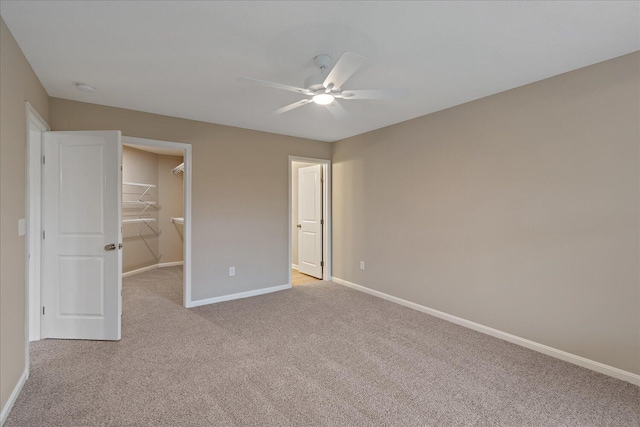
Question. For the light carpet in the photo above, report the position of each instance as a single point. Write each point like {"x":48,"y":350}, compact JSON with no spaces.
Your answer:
{"x":318,"y":354}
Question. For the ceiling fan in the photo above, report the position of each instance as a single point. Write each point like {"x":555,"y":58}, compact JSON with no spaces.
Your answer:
{"x":325,"y":89}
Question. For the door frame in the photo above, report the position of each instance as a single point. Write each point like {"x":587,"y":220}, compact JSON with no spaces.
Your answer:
{"x":186,"y":246}
{"x":326,"y":214}
{"x":33,"y":218}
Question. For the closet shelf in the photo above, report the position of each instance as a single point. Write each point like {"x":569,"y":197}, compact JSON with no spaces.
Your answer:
{"x":178,"y":170}
{"x":138,"y":184}
{"x":140,"y":217}
{"x":132,"y":220}
{"x":177,"y":220}
{"x":138,"y":202}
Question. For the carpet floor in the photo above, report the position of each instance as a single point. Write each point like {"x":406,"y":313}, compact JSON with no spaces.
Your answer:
{"x":315,"y":355}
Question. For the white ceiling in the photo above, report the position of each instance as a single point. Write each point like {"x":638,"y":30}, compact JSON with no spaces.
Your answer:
{"x":183,"y":58}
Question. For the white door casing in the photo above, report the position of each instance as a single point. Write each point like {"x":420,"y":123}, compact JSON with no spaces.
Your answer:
{"x":82,"y":188}
{"x":36,"y":127}
{"x":35,"y":136}
{"x":310,"y":220}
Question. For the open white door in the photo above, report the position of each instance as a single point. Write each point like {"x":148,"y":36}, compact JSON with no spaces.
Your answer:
{"x":310,"y":220}
{"x":82,"y":260}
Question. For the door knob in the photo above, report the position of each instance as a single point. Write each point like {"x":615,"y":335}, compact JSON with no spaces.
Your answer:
{"x":299,"y":225}
{"x":110,"y":247}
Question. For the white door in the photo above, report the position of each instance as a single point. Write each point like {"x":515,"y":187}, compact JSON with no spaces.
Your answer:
{"x":82,"y":260}
{"x":310,"y":220}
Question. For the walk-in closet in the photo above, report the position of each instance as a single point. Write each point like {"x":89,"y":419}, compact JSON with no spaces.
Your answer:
{"x":152,"y":208}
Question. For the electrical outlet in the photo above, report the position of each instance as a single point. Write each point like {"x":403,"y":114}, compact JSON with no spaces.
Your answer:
{"x":361,"y":265}
{"x":232,"y":271}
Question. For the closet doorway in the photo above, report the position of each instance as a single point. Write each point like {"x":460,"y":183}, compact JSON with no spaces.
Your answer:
{"x":156,"y":208}
{"x":309,"y":220}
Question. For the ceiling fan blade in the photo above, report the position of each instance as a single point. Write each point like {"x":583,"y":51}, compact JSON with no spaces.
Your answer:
{"x":344,"y":68}
{"x":337,"y":110}
{"x":275,"y":85}
{"x":376,"y":94}
{"x":289,"y":107}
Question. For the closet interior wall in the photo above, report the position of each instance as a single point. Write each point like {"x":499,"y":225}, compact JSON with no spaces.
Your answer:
{"x":170,"y":197}
{"x":141,"y":244}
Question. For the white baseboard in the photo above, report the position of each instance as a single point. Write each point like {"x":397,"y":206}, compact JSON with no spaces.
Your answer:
{"x":14,"y":395}
{"x":532,"y":345}
{"x":152,"y":267}
{"x":140,"y":270}
{"x":170,"y":264}
{"x":295,"y":267}
{"x":239,"y":295}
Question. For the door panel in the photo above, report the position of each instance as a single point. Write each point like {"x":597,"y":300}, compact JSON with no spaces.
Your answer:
{"x":81,"y":286}
{"x":310,"y":220}
{"x":82,"y":280}
{"x":76,"y":216}
{"x":308,"y":242}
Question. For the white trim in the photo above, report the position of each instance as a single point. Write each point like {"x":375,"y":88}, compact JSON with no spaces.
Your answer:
{"x":170,"y":264}
{"x":186,"y":247}
{"x":295,"y":267}
{"x":139,"y":270}
{"x":14,"y":395}
{"x":326,"y":213}
{"x":152,"y":267}
{"x":532,"y":345}
{"x":239,"y":295}
{"x":43,"y":123}
{"x":33,"y":229}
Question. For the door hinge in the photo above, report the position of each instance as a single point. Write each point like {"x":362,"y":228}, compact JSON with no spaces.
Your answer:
{"x":42,"y":234}
{"x":322,"y":222}
{"x":43,"y":162}
{"x":321,"y":263}
{"x":43,"y":310}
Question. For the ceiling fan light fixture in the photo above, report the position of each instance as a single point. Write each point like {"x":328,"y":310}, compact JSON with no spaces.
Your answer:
{"x":323,"y":99}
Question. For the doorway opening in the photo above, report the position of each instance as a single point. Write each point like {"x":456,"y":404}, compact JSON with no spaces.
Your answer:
{"x":39,"y":284}
{"x":156,"y":210}
{"x":309,"y":220}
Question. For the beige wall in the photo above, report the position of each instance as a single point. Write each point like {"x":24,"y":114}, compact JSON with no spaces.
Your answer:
{"x":141,"y":167}
{"x":170,"y":197}
{"x":518,"y":211}
{"x":18,"y":83}
{"x":295,"y":166}
{"x":239,"y":189}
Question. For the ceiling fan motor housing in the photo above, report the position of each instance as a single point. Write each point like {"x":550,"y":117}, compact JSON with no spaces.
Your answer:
{"x":315,"y":82}
{"x":322,"y":61}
